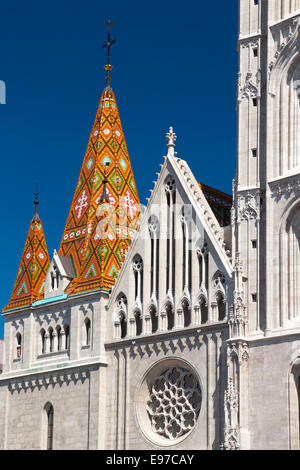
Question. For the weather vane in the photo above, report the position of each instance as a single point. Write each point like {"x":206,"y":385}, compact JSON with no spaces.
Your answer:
{"x":108,"y":67}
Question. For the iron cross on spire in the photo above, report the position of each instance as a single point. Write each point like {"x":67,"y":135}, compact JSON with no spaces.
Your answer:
{"x":108,"y":67}
{"x":36,"y":203}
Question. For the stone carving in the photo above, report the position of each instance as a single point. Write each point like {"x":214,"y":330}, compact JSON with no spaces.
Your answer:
{"x":238,"y":320}
{"x":231,"y":409}
{"x":171,"y":138}
{"x":250,"y":88}
{"x":285,"y":188}
{"x":238,"y":349}
{"x":249,"y":205}
{"x":170,"y":185}
{"x":174,"y":403}
{"x":290,"y":39}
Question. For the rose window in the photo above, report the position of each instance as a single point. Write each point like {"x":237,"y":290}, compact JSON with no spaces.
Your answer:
{"x":174,"y":403}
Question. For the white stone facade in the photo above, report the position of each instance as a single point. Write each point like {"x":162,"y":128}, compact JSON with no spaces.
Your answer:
{"x":198,"y":345}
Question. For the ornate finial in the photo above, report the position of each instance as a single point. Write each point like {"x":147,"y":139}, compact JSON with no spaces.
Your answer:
{"x":36,"y":203}
{"x":108,"y":67}
{"x":171,"y":138}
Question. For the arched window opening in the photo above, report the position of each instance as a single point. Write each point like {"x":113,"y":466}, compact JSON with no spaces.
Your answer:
{"x":203,"y":265}
{"x":168,"y":243}
{"x":153,"y":224}
{"x":154,"y":321}
{"x":67,"y":336}
{"x":87,"y":323}
{"x":170,"y":190}
{"x":221,"y":307}
{"x":138,"y":277}
{"x":184,"y":252}
{"x":51,"y":339}
{"x":59,"y":338}
{"x":170,"y":318}
{"x":204,"y":311}
{"x":19,"y":345}
{"x":121,"y":315}
{"x":43,"y":341}
{"x":152,"y":265}
{"x":50,"y":422}
{"x":54,"y":278}
{"x":187,"y":316}
{"x":123,"y":324}
{"x":139,"y":324}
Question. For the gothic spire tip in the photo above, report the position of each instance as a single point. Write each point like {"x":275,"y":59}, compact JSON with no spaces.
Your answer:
{"x":36,"y":203}
{"x":171,"y":138}
{"x":108,"y":67}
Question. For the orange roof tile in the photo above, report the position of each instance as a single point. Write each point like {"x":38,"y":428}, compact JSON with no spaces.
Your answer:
{"x":29,"y":285}
{"x":97,"y":240}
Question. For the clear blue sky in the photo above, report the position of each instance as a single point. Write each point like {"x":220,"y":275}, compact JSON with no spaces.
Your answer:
{"x":175,"y":64}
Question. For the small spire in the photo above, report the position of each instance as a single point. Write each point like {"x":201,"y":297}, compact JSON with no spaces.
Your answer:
{"x":36,"y":203}
{"x":171,"y":138}
{"x":108,"y":67}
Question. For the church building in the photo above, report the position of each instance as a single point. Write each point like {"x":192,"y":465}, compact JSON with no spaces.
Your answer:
{"x":175,"y":327}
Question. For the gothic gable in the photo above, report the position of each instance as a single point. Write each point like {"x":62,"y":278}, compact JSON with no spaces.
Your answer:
{"x":177,"y":272}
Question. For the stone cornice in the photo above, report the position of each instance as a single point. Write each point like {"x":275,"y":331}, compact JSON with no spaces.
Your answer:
{"x":51,"y":369}
{"x":167,"y":335}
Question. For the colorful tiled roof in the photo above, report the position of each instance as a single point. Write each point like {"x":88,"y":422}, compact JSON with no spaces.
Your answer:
{"x":29,"y":285}
{"x":96,"y":237}
{"x":219,"y":202}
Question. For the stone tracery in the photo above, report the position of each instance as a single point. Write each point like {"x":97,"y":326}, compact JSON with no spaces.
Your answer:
{"x":174,"y":403}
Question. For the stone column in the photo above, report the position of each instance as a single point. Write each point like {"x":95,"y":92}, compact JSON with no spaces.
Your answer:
{"x":132,"y":327}
{"x":147,"y":327}
{"x":163,"y":321}
{"x":213,"y":313}
{"x":47,"y":343}
{"x":179,"y":319}
{"x":117,"y":330}
{"x":196,"y":315}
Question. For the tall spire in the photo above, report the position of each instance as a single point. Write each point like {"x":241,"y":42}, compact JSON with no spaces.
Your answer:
{"x":29,"y":284}
{"x":97,"y":235}
{"x":108,"y":67}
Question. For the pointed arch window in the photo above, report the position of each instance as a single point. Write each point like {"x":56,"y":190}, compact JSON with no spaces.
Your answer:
{"x":87,"y":324}
{"x":138,"y":278}
{"x":51,"y":339}
{"x":221,"y":307}
{"x":19,"y":345}
{"x":67,"y":336}
{"x":54,"y":278}
{"x":43,"y":341}
{"x":170,"y":318}
{"x":139,"y":323}
{"x":59,"y":338}
{"x":121,"y":316}
{"x":50,"y":423}
{"x":170,"y":189}
{"x":204,"y":310}
{"x":153,"y":224}
{"x":203,"y":260}
{"x":219,"y":284}
{"x":154,"y":320}
{"x":123,"y":324}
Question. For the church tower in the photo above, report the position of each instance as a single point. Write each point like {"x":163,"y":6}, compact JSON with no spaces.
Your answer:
{"x":266,"y":222}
